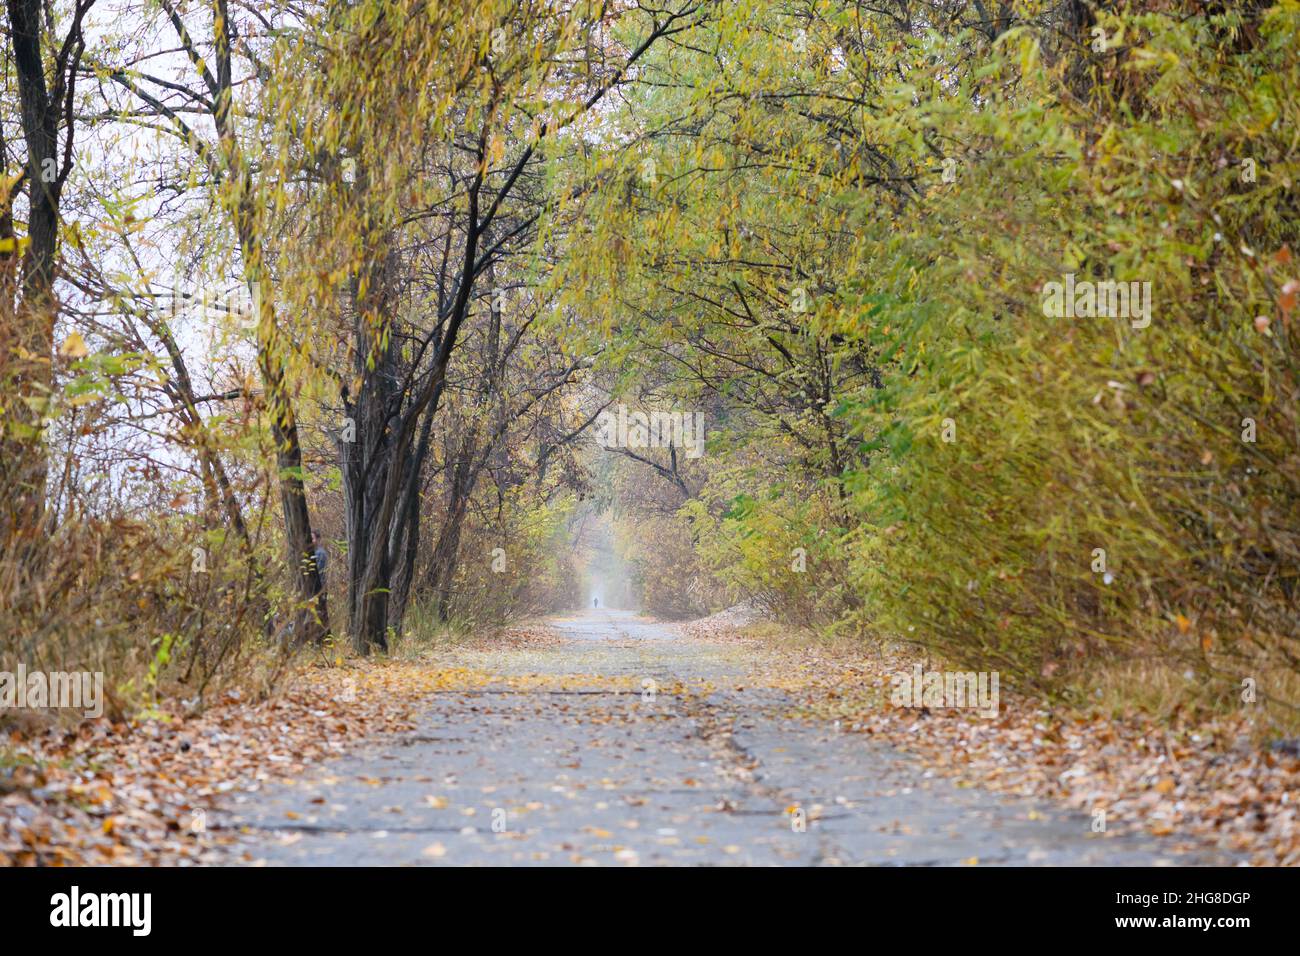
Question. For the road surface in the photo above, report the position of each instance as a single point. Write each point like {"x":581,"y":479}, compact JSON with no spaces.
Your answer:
{"x":621,"y":770}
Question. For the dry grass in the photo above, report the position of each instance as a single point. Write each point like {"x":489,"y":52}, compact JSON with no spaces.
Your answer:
{"x":1174,"y":694}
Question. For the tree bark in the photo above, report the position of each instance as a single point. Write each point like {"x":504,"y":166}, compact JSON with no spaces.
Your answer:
{"x":29,"y":343}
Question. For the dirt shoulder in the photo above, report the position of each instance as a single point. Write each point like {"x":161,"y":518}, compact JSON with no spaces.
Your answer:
{"x":140,"y":792}
{"x":1192,"y":783}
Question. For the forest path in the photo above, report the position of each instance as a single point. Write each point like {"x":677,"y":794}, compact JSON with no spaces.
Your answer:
{"x":629,"y":764}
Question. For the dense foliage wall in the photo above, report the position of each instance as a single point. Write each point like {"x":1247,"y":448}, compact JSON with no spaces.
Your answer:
{"x":1008,"y":305}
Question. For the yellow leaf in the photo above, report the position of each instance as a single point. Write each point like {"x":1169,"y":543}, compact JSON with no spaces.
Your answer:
{"x":73,"y":347}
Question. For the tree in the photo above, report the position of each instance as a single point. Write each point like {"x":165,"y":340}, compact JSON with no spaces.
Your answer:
{"x":29,"y":305}
{"x":518,"y":80}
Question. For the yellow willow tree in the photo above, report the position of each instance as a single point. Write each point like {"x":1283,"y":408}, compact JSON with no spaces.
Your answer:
{"x":426,"y":129}
{"x":206,"y":105}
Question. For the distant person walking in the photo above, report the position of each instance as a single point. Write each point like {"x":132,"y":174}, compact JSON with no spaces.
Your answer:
{"x":595,"y":602}
{"x":321,"y":558}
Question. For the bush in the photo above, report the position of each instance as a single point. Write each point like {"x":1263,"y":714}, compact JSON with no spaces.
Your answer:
{"x":1111,"y":492}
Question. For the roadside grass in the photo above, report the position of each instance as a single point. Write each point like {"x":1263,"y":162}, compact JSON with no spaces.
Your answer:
{"x":1174,"y":695}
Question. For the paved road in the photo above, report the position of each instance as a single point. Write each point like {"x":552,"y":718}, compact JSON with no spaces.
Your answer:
{"x":605,"y":775}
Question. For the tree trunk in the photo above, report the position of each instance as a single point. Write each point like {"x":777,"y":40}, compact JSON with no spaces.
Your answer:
{"x":29,"y":344}
{"x":311,"y":621}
